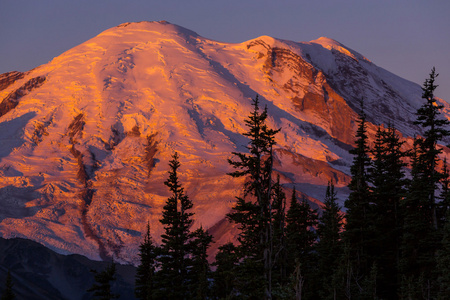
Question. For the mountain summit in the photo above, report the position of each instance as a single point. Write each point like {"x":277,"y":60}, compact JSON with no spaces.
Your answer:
{"x":86,"y":138}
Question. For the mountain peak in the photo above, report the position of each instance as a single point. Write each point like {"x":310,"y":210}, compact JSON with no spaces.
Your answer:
{"x":161,"y":27}
{"x":323,"y":40}
{"x":332,"y":44}
{"x":266,"y":39}
{"x":162,"y":22}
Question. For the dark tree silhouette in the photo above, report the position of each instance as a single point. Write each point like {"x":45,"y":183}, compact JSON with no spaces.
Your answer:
{"x":175,"y":259}
{"x":145,"y":272}
{"x":8,"y":293}
{"x":101,"y":289}
{"x":254,"y":216}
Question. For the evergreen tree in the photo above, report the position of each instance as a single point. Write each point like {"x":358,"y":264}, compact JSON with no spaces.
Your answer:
{"x":200,"y":272}
{"x":226,"y":270}
{"x":300,"y":221}
{"x":254,"y":216}
{"x":145,"y":272}
{"x":329,"y":247}
{"x":443,"y":262}
{"x":388,"y":182}
{"x":279,"y":235}
{"x":175,"y":253}
{"x":359,"y":226}
{"x":444,"y":204}
{"x":8,"y":293}
{"x":300,"y":236}
{"x":250,"y":266}
{"x":343,"y":275}
{"x":415,"y":242}
{"x":428,"y":119}
{"x":421,"y":238}
{"x":101,"y":289}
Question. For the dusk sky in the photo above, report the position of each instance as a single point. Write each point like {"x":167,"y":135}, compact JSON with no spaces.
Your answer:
{"x":406,"y":37}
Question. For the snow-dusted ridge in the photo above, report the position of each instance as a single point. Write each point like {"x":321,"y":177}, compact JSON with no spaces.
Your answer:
{"x":84,"y":153}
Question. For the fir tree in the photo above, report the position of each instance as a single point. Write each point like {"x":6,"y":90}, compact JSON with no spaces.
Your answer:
{"x":329,"y":247}
{"x":145,"y":272}
{"x":443,"y":255}
{"x":250,"y":266}
{"x":279,"y":246}
{"x":428,"y":119}
{"x":388,"y":182}
{"x":444,"y":204}
{"x":255,"y":217}
{"x":8,"y":293}
{"x":359,"y":228}
{"x":101,"y":289}
{"x":300,"y":236}
{"x":415,"y":242}
{"x":200,"y":272}
{"x":300,"y":221}
{"x":175,"y":259}
{"x":443,"y":262}
{"x":226,"y":272}
{"x":421,"y":238}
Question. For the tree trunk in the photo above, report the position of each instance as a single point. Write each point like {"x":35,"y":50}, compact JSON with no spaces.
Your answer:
{"x":298,"y":282}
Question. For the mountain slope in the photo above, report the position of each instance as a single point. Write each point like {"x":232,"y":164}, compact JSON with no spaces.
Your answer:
{"x":86,"y":138}
{"x":39,"y":273}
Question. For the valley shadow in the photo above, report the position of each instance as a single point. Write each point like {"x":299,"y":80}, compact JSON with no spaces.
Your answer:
{"x":11,"y":133}
{"x":40,"y":273}
{"x":236,"y":138}
{"x":14,"y":201}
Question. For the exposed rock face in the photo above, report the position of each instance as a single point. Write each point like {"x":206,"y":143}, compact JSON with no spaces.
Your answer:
{"x":308,"y":89}
{"x":12,"y":100}
{"x":85,"y":140}
{"x":6,"y":79}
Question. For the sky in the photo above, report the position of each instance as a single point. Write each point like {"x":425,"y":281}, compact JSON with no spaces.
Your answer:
{"x":406,"y":37}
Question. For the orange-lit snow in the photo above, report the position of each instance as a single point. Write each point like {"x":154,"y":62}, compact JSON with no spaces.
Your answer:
{"x":192,"y":95}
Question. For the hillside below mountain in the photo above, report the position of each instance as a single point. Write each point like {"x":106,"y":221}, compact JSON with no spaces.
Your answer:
{"x":40,"y":273}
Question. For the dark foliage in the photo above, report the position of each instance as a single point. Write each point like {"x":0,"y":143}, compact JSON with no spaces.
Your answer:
{"x":329,"y":247}
{"x":225,"y":274}
{"x":422,"y":234}
{"x":145,"y":272}
{"x":387,"y":179}
{"x":101,"y":289}
{"x":359,"y":219}
{"x":253,"y":213}
{"x":301,"y":236}
{"x":174,"y":259}
{"x":200,"y":273}
{"x":8,"y":293}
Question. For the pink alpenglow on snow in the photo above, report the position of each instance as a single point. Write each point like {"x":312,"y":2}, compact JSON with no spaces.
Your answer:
{"x":85,"y":139}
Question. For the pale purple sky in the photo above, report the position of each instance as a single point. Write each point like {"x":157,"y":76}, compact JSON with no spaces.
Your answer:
{"x":406,"y":37}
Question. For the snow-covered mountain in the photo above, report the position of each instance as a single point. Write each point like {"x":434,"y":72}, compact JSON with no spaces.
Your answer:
{"x":86,"y":138}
